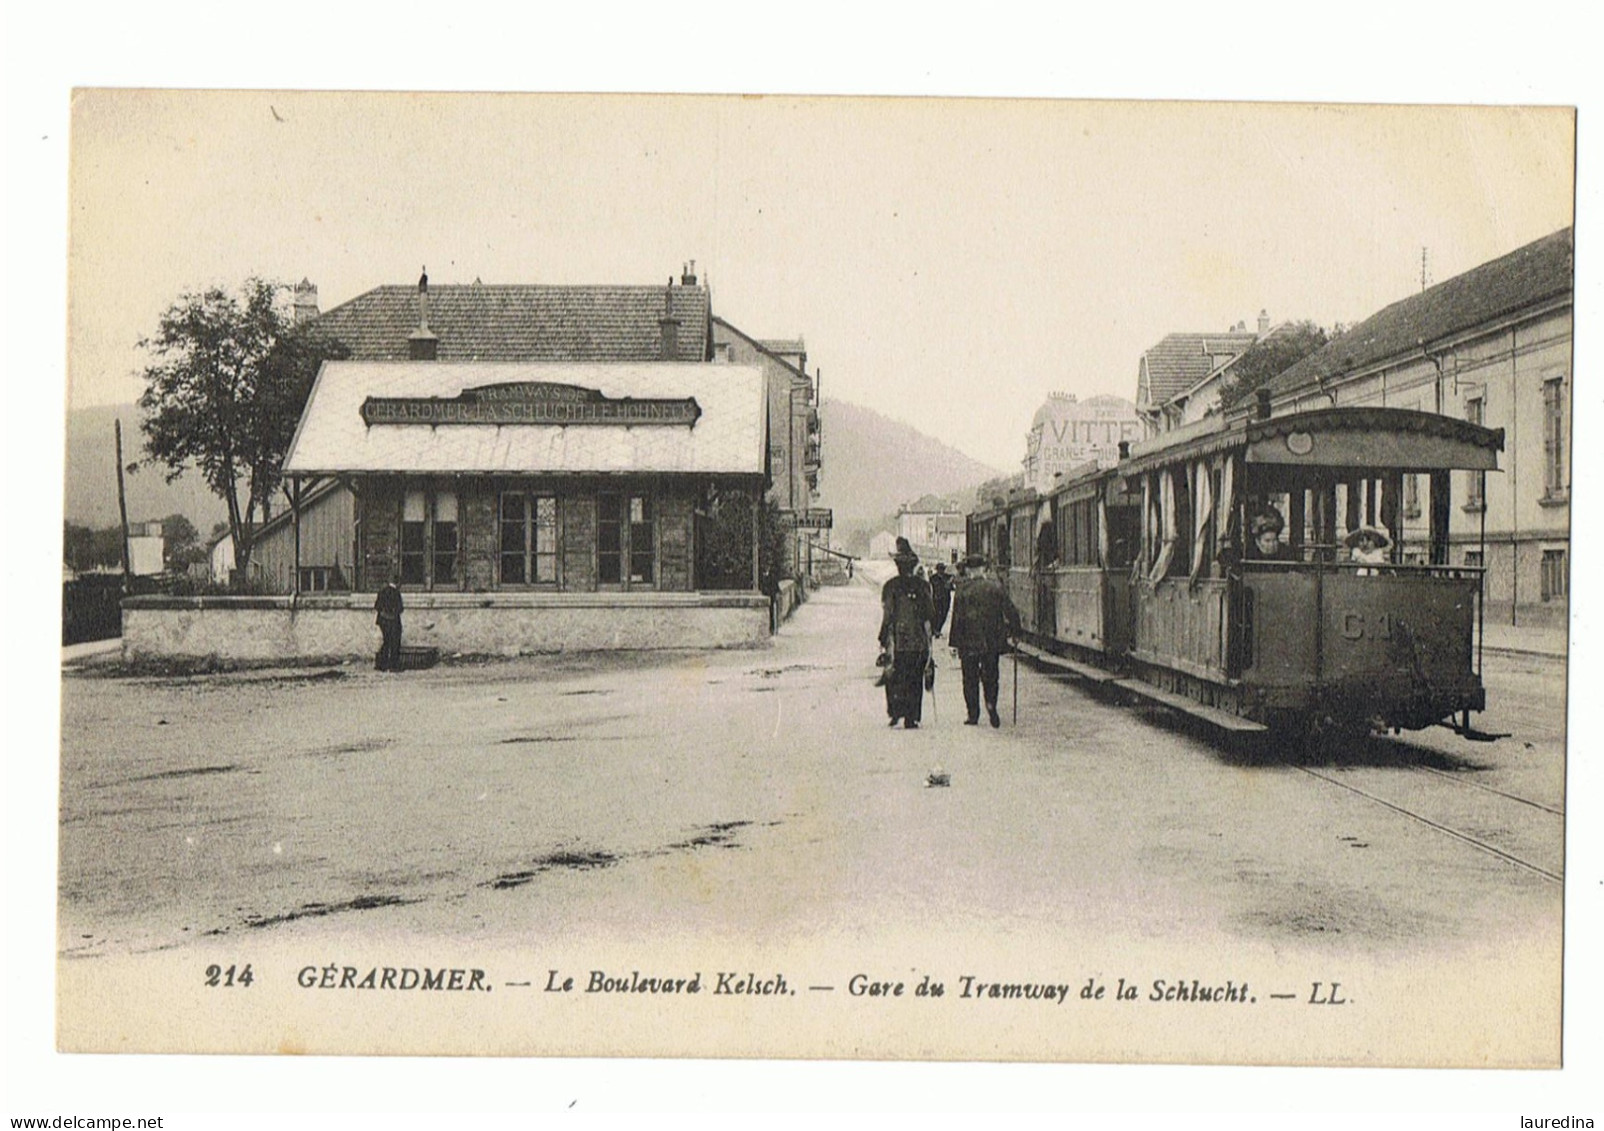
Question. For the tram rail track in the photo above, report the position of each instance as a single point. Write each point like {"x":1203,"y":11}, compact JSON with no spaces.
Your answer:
{"x":1457,"y":780}
{"x":1457,"y":834}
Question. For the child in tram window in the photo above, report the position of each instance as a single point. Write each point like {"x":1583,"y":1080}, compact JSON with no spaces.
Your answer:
{"x":1368,"y":545}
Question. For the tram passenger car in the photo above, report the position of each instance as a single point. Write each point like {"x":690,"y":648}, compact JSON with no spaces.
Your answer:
{"x":1149,"y":569}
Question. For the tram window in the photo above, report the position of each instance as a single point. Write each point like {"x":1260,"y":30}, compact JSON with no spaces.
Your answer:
{"x":1181,"y":561}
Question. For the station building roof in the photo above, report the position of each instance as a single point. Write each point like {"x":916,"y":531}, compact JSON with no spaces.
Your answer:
{"x":728,"y":437}
{"x":527,"y":322}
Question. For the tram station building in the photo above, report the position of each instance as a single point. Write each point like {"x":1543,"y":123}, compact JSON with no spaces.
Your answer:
{"x":521,"y":507}
{"x":541,"y":467}
{"x":1491,"y":346}
{"x":480,"y":322}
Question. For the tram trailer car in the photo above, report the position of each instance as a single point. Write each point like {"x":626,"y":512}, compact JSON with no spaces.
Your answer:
{"x":1152,"y":570}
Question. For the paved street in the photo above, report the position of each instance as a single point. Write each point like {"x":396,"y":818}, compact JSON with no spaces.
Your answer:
{"x":759,"y":794}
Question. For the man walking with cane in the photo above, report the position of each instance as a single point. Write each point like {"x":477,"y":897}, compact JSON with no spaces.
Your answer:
{"x":984,"y":621}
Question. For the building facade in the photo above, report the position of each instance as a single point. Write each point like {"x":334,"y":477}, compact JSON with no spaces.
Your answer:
{"x":936,"y":531}
{"x":547,"y":323}
{"x":1178,"y":380}
{"x":521,"y":507}
{"x":794,"y":439}
{"x":1492,"y":346}
{"x":1067,"y":432}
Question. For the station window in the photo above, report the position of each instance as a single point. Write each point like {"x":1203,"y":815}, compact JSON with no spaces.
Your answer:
{"x":443,"y":567}
{"x":429,"y":539}
{"x":528,"y":539}
{"x":626,"y":539}
{"x":320,"y":579}
{"x":1474,"y":558}
{"x":1554,"y":575}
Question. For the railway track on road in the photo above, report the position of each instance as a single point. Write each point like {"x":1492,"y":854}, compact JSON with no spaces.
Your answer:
{"x":1489,"y":789}
{"x":1446,"y":829}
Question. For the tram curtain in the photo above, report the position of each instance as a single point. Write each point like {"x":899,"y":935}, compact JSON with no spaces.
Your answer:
{"x":1166,"y":552}
{"x":1143,"y":560}
{"x":1203,"y":508}
{"x":1102,"y":530}
{"x":1227,"y":501}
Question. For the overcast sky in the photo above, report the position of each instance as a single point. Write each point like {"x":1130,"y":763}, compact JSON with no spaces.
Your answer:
{"x":949,"y":262}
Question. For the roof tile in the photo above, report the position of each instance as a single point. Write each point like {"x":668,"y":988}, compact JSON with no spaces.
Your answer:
{"x":479,"y":322}
{"x":1181,"y":360}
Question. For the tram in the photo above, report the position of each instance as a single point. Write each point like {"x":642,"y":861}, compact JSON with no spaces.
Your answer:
{"x":1159,"y":571}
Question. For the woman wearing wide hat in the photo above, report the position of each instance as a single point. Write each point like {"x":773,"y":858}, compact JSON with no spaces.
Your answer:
{"x":906,"y":613}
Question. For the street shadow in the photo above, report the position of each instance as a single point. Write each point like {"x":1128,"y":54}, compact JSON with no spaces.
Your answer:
{"x":1269,"y":749}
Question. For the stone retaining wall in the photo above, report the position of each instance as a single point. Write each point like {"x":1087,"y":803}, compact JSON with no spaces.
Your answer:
{"x":327,"y":627}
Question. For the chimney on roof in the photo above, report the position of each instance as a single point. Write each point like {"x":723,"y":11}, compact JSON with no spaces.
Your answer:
{"x":1264,"y":321}
{"x":422,"y":344}
{"x":687,"y":276}
{"x":305,"y":302}
{"x":668,"y":327}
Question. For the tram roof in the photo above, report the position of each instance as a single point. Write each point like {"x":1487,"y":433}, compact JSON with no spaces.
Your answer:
{"x":1362,"y":437}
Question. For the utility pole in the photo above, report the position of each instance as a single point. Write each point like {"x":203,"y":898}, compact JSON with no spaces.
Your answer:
{"x":122,"y":504}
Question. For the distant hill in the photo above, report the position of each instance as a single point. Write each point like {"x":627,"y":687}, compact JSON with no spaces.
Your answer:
{"x":91,"y":495}
{"x":872,"y":464}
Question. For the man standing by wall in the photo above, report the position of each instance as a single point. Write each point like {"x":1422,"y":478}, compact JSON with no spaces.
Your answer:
{"x":984,"y":621}
{"x":387,"y":607}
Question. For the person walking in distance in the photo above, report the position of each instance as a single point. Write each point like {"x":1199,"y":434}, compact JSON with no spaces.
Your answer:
{"x":905,"y":616}
{"x":984,"y":621}
{"x":941,"y":594}
{"x":387,"y":606}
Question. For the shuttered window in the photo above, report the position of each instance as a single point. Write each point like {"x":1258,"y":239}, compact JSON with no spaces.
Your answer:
{"x":1556,"y":483}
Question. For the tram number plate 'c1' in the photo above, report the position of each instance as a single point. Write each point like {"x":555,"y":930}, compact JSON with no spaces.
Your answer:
{"x":1354,"y":626}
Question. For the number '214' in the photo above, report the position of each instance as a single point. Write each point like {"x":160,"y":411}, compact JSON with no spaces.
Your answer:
{"x":231,"y":976}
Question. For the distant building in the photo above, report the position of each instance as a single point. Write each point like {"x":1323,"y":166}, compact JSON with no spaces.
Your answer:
{"x":793,"y":435}
{"x":1067,"y":432}
{"x":145,"y":547}
{"x":220,"y":559}
{"x":1178,"y":380}
{"x":934,"y":528}
{"x":1492,"y":346}
{"x":881,"y":545}
{"x":328,"y":537}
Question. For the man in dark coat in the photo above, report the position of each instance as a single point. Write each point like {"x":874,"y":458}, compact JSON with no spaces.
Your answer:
{"x":387,"y":605}
{"x":905,"y":615}
{"x":984,"y":621}
{"x":941,"y":594}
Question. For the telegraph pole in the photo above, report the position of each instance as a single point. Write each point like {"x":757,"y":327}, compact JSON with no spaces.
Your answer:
{"x":122,"y":503}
